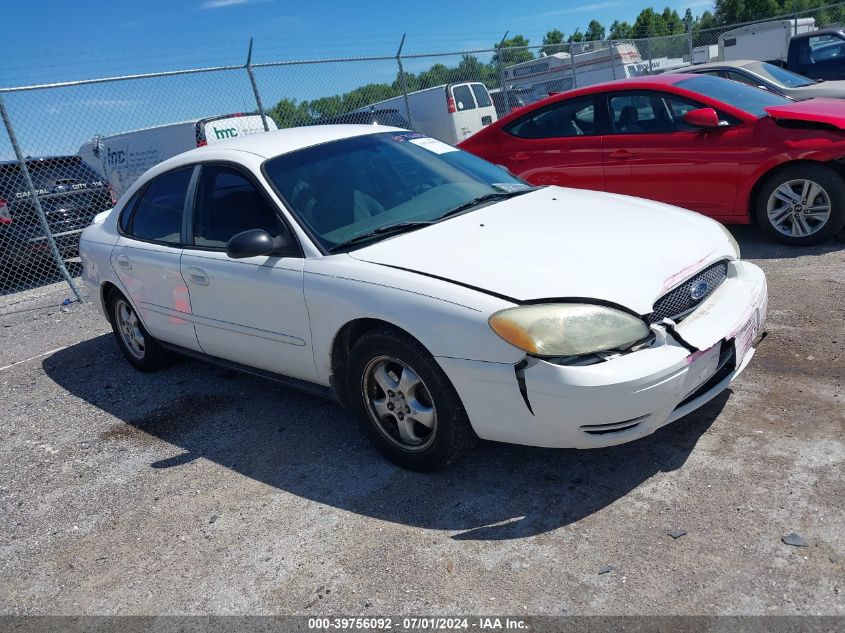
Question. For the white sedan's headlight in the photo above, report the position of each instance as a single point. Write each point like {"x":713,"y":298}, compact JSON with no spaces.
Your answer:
{"x":567,"y":329}
{"x":730,"y":239}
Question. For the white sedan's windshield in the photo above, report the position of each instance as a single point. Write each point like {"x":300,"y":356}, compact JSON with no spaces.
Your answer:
{"x":351,"y":187}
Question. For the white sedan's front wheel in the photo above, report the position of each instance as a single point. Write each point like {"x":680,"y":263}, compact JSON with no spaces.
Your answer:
{"x":406,"y":405}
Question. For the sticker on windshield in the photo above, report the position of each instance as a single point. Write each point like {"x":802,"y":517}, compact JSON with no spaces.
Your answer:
{"x":510,"y":186}
{"x":433,"y":145}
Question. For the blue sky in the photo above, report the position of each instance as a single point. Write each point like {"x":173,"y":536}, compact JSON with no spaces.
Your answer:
{"x":58,"y":41}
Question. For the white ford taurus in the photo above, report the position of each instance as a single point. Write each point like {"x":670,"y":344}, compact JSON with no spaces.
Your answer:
{"x":438,"y":296}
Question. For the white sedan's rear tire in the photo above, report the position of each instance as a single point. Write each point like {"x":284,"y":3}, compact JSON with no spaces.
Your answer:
{"x":141,"y":350}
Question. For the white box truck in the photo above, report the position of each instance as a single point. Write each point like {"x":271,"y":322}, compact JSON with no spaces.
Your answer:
{"x":765,"y":41}
{"x":123,"y":157}
{"x":450,"y":112}
{"x":592,"y":63}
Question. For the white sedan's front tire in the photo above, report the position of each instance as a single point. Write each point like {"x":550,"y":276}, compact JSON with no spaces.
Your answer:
{"x":405,"y":403}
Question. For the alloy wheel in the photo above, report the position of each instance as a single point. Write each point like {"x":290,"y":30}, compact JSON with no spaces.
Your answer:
{"x":799,"y":208}
{"x":130,"y":329}
{"x":399,"y":403}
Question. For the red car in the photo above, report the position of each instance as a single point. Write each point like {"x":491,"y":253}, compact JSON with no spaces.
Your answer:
{"x":724,"y":149}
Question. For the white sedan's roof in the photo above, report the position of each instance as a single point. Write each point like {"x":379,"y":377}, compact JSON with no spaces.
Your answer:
{"x":277,"y":142}
{"x":258,"y":147}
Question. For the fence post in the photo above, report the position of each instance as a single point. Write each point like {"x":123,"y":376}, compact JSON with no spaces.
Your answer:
{"x":648,"y":48}
{"x":572,"y":61}
{"x":691,"y":48}
{"x":402,"y":81}
{"x":502,"y":83}
{"x":54,"y":250}
{"x":255,"y":88}
{"x":610,"y":55}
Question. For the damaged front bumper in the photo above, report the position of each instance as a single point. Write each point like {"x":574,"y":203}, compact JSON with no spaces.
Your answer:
{"x":626,"y":397}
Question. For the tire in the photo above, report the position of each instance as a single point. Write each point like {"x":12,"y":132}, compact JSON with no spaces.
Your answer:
{"x":796,"y":220}
{"x":141,"y":350}
{"x":437,"y":432}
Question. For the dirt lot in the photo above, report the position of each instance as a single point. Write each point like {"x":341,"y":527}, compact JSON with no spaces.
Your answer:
{"x":197,"y":490}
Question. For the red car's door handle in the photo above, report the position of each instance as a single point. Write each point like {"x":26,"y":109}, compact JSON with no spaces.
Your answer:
{"x":520,"y":157}
{"x":621,"y":153}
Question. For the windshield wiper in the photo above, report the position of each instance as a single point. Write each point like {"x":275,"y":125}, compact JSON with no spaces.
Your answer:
{"x":401,"y":227}
{"x":487,"y":197}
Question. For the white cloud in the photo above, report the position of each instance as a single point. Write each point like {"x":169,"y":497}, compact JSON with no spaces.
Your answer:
{"x":697,"y":4}
{"x":219,"y":4}
{"x":584,"y":8}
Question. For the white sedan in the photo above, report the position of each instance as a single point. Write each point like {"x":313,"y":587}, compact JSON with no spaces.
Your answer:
{"x":438,"y":296}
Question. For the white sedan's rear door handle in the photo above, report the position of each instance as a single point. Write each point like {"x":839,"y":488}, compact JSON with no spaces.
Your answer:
{"x":197,"y":276}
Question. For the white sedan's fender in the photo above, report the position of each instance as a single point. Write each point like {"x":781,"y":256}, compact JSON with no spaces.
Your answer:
{"x":449,"y":320}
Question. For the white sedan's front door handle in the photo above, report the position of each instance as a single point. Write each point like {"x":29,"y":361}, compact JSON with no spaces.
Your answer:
{"x":197,"y":276}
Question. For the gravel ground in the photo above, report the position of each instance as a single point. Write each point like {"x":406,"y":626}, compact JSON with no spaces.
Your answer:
{"x":196,"y":490}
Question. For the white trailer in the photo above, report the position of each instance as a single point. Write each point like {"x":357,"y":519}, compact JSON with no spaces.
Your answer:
{"x":766,"y":41}
{"x":592,"y":63}
{"x":450,"y":112}
{"x":705,"y":54}
{"x":123,"y":157}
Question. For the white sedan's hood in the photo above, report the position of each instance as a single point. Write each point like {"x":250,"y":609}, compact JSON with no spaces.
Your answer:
{"x":560,"y":243}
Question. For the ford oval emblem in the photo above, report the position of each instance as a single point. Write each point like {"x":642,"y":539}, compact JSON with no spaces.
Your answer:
{"x":697,"y":291}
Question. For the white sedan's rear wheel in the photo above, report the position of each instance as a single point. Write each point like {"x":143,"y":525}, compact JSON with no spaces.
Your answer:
{"x":141,"y":350}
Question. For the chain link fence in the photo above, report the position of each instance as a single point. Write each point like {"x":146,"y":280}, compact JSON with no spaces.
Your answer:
{"x":71,"y":149}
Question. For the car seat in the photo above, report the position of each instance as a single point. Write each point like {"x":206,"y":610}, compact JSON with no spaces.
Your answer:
{"x":628,"y":118}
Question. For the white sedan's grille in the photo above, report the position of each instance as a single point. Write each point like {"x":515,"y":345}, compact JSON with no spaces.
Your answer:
{"x":683,"y":299}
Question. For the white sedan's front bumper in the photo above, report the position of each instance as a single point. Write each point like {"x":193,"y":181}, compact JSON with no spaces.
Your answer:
{"x":627,"y":397}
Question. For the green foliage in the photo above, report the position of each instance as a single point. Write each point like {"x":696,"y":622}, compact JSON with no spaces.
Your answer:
{"x":595,"y":31}
{"x":510,"y":57}
{"x":553,"y":42}
{"x":621,"y":31}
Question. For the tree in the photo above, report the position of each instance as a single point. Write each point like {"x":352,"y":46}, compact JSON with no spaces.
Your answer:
{"x":732,"y":11}
{"x":577,"y":36}
{"x":510,"y":57}
{"x":620,"y":31}
{"x":553,"y":42}
{"x":595,"y":31}
{"x":688,"y":20}
{"x":707,"y":21}
{"x":649,"y":23}
{"x":672,"y":22}
{"x":287,"y":113}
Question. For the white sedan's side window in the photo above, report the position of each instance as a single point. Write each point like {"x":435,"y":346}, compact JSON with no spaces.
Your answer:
{"x":228,"y":203}
{"x":158,"y":216}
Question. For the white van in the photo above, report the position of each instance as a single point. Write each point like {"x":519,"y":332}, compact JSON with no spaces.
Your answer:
{"x":123,"y":157}
{"x":450,"y":112}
